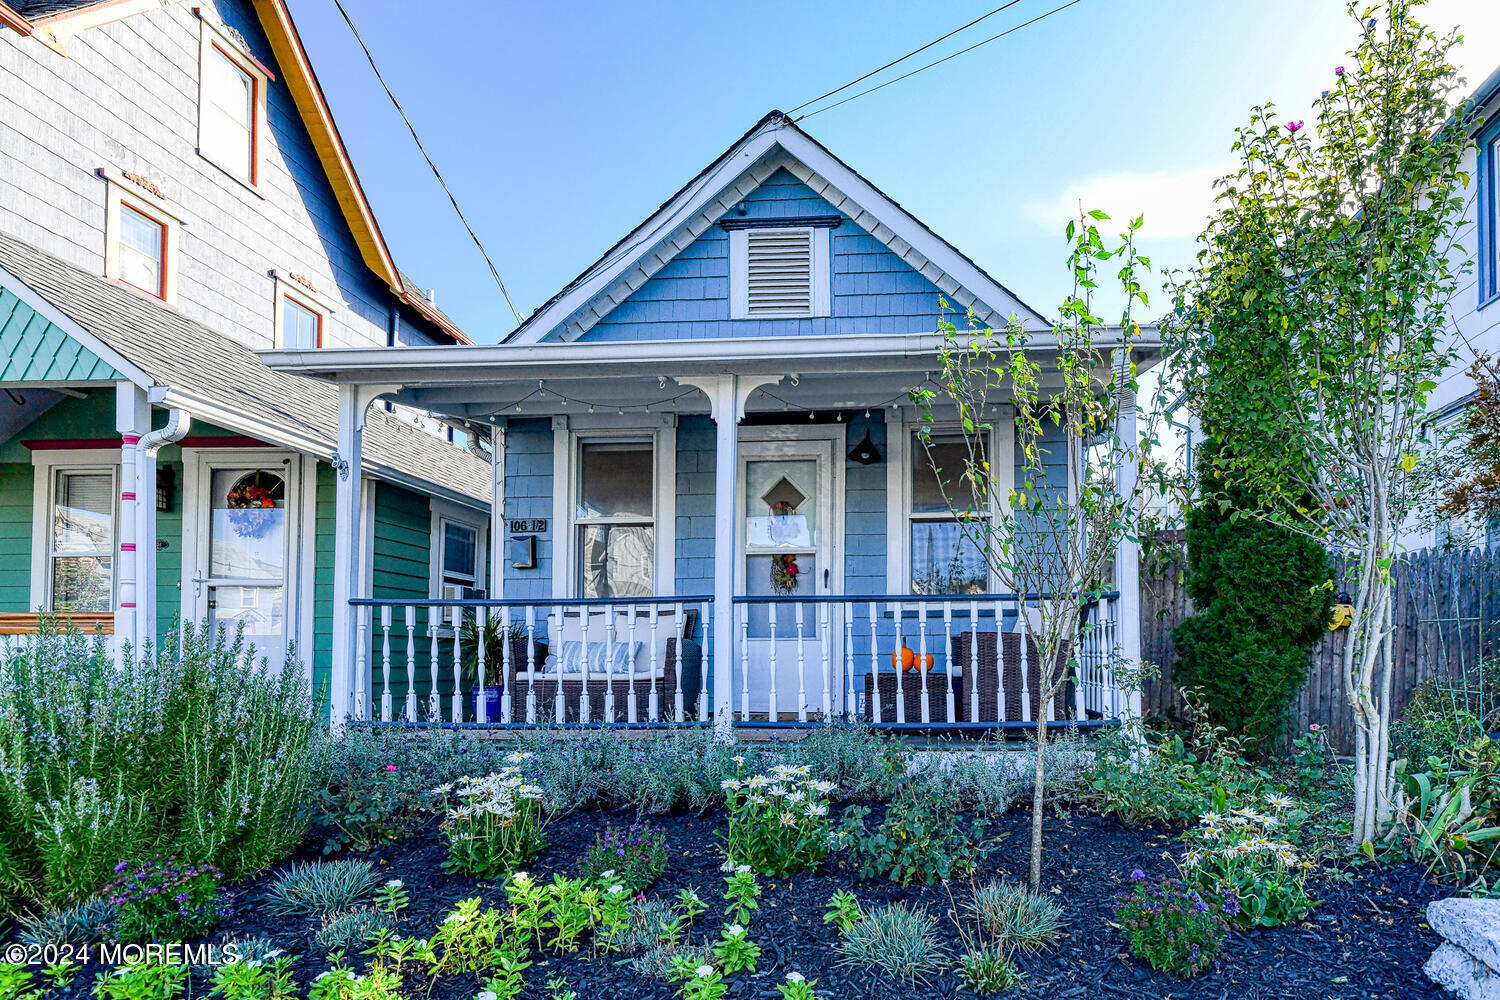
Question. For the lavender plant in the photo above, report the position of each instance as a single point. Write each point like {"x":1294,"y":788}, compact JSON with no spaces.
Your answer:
{"x":634,"y":858}
{"x":1171,"y":926}
{"x":162,"y":900}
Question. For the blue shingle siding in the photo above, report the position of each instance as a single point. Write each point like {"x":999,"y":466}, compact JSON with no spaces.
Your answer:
{"x":873,"y":290}
{"x":528,"y":494}
{"x":696,"y":450}
{"x":865,"y":509}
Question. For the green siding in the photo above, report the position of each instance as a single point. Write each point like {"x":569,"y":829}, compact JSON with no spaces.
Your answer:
{"x":402,"y":571}
{"x":88,"y":418}
{"x":323,"y":540}
{"x":32,"y":348}
{"x":169,"y":582}
{"x":15,"y":536}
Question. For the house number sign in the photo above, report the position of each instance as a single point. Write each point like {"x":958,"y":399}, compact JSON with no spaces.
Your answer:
{"x":535,"y":525}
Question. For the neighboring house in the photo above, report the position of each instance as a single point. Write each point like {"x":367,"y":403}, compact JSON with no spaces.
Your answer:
{"x":713,"y":504}
{"x":1475,"y":307}
{"x":174,"y":196}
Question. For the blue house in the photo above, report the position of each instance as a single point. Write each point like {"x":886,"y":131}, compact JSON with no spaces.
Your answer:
{"x":707,"y":502}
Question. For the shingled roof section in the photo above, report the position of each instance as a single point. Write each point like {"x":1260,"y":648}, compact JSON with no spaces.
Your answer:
{"x":34,"y":9}
{"x":184,"y":355}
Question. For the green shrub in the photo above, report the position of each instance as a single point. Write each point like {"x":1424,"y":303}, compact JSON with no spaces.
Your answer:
{"x":1261,"y":608}
{"x":83,"y":923}
{"x":986,"y":970}
{"x":160,"y":900}
{"x":321,"y":887}
{"x":863,"y":763}
{"x":634,"y":858}
{"x":202,"y":752}
{"x":1237,"y":855}
{"x":351,"y":930}
{"x":1169,"y":782}
{"x":921,"y":838}
{"x":1448,"y":713}
{"x":1022,"y":920}
{"x":897,"y":940}
{"x":778,"y":821}
{"x":1172,"y":926}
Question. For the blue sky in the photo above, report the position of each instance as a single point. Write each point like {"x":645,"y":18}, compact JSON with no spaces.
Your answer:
{"x":561,"y":126}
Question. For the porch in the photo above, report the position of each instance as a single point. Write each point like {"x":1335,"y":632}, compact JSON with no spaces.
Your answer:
{"x":744,"y":534}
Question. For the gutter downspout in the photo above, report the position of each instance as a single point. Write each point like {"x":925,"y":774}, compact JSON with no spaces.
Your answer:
{"x":146,"y":450}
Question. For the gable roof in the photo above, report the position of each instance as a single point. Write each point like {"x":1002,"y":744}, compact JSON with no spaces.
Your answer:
{"x":775,"y":142}
{"x":215,"y":378}
{"x":50,"y":21}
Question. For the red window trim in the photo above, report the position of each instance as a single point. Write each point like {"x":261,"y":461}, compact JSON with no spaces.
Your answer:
{"x":305,"y":304}
{"x":162,"y":224}
{"x":254,"y":110}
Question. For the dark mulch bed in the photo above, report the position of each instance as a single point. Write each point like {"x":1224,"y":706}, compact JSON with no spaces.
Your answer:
{"x":1366,"y":939}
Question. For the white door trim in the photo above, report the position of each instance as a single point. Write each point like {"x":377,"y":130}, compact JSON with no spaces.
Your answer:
{"x":197,"y":467}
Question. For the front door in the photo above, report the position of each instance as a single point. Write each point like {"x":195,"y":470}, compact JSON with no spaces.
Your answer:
{"x":246,"y":550}
{"x":788,"y":550}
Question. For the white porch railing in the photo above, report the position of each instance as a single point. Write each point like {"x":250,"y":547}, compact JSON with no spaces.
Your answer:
{"x":892,"y":660}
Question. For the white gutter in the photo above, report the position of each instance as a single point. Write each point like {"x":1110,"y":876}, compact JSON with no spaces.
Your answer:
{"x":138,"y":529}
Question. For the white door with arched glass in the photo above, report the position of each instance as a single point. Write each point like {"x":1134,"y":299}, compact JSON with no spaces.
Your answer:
{"x":246,"y":548}
{"x":790,"y":661}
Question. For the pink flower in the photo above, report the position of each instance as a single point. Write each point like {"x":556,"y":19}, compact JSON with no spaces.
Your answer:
{"x":1293,"y":127}
{"x":1315,"y":728}
{"x":1338,"y":71}
{"x":390,"y":767}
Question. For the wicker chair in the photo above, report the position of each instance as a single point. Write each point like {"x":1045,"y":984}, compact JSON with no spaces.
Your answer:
{"x":911,"y":695}
{"x":988,"y":679}
{"x":544,"y":686}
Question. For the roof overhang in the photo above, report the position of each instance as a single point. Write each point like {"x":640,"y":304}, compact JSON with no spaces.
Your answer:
{"x":483,"y":382}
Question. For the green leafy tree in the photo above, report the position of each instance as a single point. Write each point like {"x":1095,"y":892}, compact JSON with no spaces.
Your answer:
{"x":1335,"y":245}
{"x":1261,"y":608}
{"x":1052,"y":539}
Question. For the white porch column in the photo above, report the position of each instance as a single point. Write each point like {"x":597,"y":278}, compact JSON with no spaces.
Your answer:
{"x":1128,"y":563}
{"x":132,"y":420}
{"x":499,"y":536}
{"x":348,"y":544}
{"x":725,"y":403}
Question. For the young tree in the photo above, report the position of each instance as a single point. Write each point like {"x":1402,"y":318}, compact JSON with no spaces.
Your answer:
{"x":1337,"y":252}
{"x":1051,"y":548}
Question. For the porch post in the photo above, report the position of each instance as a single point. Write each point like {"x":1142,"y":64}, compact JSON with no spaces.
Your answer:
{"x":499,"y":536}
{"x":726,"y":463}
{"x":132,"y":420}
{"x":348,"y":469}
{"x":1128,"y":564}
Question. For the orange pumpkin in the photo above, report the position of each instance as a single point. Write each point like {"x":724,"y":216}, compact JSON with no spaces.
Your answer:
{"x":908,"y":660}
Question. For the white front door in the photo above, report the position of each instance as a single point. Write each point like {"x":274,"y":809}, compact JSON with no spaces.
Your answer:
{"x":246,"y":548}
{"x":789,"y":548}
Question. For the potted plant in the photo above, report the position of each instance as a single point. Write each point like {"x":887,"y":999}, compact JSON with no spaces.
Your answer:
{"x":496,"y":637}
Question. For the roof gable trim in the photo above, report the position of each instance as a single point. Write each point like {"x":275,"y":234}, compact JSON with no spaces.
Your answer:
{"x":74,"y":331}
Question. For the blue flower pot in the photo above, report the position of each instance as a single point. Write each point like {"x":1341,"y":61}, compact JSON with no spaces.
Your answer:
{"x":491,"y":698}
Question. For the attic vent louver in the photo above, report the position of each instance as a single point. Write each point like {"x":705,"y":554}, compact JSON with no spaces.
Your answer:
{"x":779,"y":271}
{"x":779,"y":265}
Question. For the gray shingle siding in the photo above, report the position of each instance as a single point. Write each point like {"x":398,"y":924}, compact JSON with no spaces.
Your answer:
{"x":126,"y":96}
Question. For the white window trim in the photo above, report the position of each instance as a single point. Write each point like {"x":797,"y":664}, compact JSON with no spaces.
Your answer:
{"x":444,"y":511}
{"x":284,"y":286}
{"x":567,"y":434}
{"x":120,"y":190}
{"x":901,"y":452}
{"x":213,"y":34}
{"x":45,"y":467}
{"x":822,"y":290}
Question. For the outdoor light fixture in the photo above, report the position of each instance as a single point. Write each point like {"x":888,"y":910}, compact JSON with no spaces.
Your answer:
{"x":166,"y":485}
{"x":865,"y":453}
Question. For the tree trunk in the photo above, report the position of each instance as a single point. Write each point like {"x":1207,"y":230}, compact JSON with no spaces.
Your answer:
{"x":1038,"y":794}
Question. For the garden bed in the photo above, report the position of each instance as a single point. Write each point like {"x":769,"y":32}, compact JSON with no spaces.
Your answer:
{"x":1366,"y":938}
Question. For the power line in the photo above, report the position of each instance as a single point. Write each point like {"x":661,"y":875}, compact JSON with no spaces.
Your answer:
{"x":423,"y":150}
{"x":913,"y":52}
{"x":938,"y":62}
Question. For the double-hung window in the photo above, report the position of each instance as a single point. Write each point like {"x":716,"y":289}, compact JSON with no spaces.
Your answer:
{"x":301,"y":326}
{"x":947,"y":518}
{"x":615,"y":519}
{"x":141,"y":229}
{"x":459,"y":569}
{"x":143,"y":251}
{"x":231,"y":104}
{"x":81,"y":540}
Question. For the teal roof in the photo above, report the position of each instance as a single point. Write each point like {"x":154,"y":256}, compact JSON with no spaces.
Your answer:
{"x":34,"y":349}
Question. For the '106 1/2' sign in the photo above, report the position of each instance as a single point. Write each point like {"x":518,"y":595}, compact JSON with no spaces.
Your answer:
{"x":528,"y":524}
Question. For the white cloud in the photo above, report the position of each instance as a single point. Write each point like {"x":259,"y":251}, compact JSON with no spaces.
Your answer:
{"x":1176,"y":204}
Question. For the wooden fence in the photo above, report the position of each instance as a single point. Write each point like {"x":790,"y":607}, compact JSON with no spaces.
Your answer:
{"x":1447,"y":618}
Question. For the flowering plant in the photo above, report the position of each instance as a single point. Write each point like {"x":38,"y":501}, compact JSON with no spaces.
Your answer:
{"x":797,"y":987}
{"x":702,"y":982}
{"x":735,"y":951}
{"x":740,"y":893}
{"x":1235,"y":854}
{"x":634,"y":858}
{"x":778,"y":822}
{"x":367,"y":806}
{"x":144,"y":980}
{"x":159,"y":900}
{"x":256,"y":979}
{"x":493,"y":824}
{"x":392,"y":897}
{"x":1171,"y":925}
